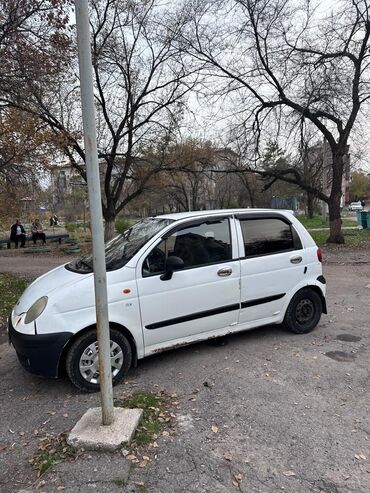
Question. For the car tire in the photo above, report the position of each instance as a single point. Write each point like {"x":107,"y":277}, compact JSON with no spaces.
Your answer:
{"x":82,"y":360}
{"x":304,"y":311}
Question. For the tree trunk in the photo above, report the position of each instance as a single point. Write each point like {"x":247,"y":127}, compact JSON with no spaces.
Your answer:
{"x":109,"y":229}
{"x":310,"y":203}
{"x":336,"y":235}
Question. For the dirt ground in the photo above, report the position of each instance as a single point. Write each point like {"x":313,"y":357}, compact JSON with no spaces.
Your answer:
{"x":291,"y":413}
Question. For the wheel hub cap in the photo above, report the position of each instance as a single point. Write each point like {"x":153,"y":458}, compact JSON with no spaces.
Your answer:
{"x":305,"y":311}
{"x":89,"y":361}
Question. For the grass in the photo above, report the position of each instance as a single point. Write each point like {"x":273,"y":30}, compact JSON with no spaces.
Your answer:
{"x":317,"y":222}
{"x":354,"y":238}
{"x":11,"y":289}
{"x":52,"y":451}
{"x":155,"y":416}
{"x":121,"y":483}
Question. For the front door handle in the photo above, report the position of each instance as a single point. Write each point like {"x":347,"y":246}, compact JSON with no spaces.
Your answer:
{"x":226,"y":271}
{"x":297,"y":259}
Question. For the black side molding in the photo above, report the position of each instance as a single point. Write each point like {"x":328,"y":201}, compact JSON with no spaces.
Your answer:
{"x":214,"y":311}
{"x":321,"y":279}
{"x":193,"y":316}
{"x":261,"y":301}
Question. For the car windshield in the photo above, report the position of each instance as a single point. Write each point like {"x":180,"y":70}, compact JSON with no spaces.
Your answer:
{"x":124,"y":246}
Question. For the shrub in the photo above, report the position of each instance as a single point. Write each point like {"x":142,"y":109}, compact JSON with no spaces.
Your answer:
{"x":122,"y":224}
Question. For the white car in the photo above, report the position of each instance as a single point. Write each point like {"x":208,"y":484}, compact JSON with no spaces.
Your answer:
{"x":172,"y":280}
{"x":355,"y":206}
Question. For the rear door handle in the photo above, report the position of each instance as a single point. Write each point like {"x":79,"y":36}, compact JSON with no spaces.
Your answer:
{"x":226,"y":271}
{"x":297,"y":259}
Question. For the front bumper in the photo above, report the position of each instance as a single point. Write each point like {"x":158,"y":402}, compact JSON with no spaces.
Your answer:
{"x":39,"y":354}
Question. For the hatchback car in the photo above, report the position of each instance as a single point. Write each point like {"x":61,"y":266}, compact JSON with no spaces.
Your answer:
{"x":355,"y":206}
{"x":172,"y":280}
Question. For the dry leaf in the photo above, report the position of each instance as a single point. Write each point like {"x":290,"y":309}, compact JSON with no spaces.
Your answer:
{"x":214,"y":428}
{"x":145,"y":457}
{"x":227,"y":456}
{"x":288,"y":473}
{"x":238,"y":477}
{"x":131,"y":457}
{"x":60,"y":488}
{"x":143,"y":463}
{"x":235,"y":483}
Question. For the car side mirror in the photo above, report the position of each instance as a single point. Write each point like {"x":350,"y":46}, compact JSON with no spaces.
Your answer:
{"x":172,"y":264}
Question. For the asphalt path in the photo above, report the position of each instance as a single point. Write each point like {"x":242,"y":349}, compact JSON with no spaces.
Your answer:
{"x":261,"y":411}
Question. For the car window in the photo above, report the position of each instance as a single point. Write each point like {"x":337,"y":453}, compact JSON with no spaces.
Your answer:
{"x":268,"y":236}
{"x":204,"y":243}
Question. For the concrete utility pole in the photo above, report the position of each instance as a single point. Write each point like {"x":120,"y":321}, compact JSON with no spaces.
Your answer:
{"x":93,"y":183}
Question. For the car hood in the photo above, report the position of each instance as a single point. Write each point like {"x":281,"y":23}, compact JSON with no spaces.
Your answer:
{"x":46,"y":284}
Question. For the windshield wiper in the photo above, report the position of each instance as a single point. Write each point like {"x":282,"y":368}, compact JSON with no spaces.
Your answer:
{"x":83,"y":262}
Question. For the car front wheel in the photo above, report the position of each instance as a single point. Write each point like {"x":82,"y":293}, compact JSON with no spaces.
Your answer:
{"x":304,"y":311}
{"x":82,"y":362}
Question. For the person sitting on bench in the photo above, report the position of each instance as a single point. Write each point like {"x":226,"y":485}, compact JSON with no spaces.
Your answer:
{"x":37,"y":232}
{"x":18,"y":234}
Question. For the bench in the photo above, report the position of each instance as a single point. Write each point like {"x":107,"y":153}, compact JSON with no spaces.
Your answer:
{"x":51,"y":237}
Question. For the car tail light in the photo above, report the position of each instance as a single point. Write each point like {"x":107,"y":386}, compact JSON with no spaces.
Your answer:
{"x":319,"y":254}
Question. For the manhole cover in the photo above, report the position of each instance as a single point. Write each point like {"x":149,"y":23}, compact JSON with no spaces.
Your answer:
{"x":340,"y":356}
{"x":348,"y":338}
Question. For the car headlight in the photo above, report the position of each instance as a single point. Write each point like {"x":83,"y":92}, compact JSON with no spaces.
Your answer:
{"x":36,"y":309}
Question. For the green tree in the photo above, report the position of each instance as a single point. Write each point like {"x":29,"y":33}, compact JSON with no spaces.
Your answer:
{"x":359,"y":186}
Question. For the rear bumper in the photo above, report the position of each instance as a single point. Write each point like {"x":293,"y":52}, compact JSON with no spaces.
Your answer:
{"x":322,"y":280}
{"x":39,"y":354}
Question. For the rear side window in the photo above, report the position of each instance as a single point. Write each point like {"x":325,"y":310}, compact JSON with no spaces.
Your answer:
{"x":268,"y":236}
{"x":204,"y":243}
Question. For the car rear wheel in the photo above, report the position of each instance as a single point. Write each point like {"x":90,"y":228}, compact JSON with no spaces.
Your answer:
{"x":82,"y":362}
{"x":304,"y":311}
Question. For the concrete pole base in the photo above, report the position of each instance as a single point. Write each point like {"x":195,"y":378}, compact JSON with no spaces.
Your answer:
{"x":90,"y":434}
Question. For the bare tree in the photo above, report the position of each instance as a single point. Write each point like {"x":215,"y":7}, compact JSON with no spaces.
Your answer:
{"x":141,"y":83}
{"x":283,"y":64}
{"x":26,"y":29}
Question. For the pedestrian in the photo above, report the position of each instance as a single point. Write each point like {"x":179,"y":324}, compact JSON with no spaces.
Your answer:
{"x":37,"y":232}
{"x":54,"y":220}
{"x":18,"y":234}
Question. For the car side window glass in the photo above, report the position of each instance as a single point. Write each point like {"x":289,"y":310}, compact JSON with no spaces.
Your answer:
{"x":268,"y":236}
{"x":204,"y":243}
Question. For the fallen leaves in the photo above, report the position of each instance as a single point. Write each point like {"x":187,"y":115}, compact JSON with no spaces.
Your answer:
{"x":288,"y":473}
{"x":360,"y":457}
{"x":227,"y":456}
{"x":214,"y":428}
{"x":237,"y":480}
{"x":52,"y":450}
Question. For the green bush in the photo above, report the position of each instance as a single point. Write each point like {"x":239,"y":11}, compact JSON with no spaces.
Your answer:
{"x":71,"y":227}
{"x":122,"y":224}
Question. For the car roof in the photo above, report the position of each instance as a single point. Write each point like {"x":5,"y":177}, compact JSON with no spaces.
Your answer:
{"x":177,"y":216}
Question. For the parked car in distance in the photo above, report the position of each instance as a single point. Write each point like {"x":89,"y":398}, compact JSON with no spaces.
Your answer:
{"x":355,"y":206}
{"x":172,"y":280}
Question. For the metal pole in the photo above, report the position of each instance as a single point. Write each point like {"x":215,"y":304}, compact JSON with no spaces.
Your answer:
{"x":96,"y":216}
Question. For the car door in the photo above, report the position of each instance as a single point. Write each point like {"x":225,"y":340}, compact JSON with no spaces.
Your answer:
{"x":203,"y":297}
{"x":272,"y":265}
